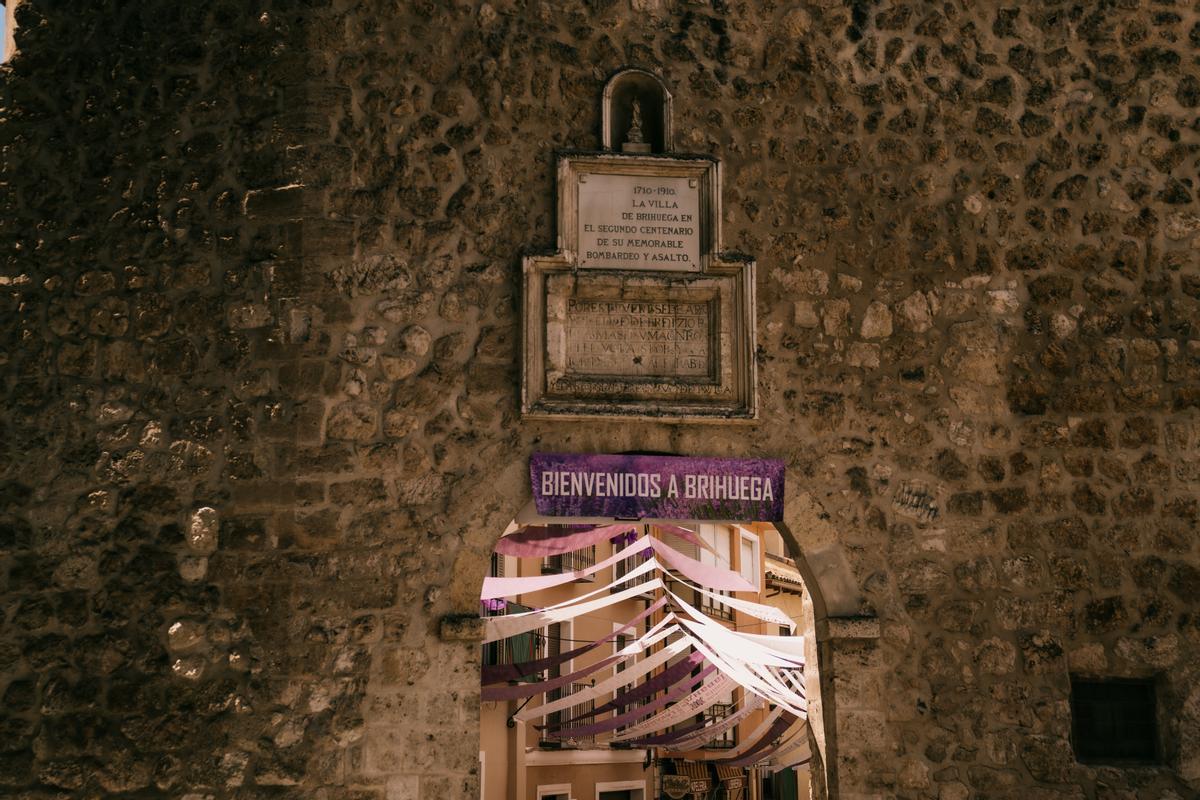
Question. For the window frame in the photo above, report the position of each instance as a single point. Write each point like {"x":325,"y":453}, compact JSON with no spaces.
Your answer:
{"x":621,"y":786}
{"x":1157,"y":743}
{"x":744,"y":534}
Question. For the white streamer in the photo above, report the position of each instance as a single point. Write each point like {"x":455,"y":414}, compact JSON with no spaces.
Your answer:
{"x":502,"y":627}
{"x":620,"y":679}
{"x":684,"y":708}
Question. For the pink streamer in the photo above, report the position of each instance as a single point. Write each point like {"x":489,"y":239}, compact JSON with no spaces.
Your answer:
{"x":551,"y":540}
{"x":756,"y":753}
{"x":662,"y":680}
{"x":510,"y":587}
{"x":519,"y":690}
{"x":685,"y":534}
{"x":683,"y":689}
{"x":498,"y":673}
{"x":703,"y":574}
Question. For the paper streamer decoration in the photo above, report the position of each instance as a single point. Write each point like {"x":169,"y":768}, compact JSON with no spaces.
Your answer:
{"x":755,"y":735}
{"x":538,"y":687}
{"x":630,"y":675}
{"x":685,"y":534}
{"x":519,"y":690}
{"x":749,"y":680}
{"x":750,"y":704}
{"x":756,"y":610}
{"x":637,"y":713}
{"x":667,"y":738}
{"x":552,"y":540}
{"x":507,"y":587}
{"x":689,"y":706}
{"x":792,"y":646}
{"x":718,"y":635}
{"x":730,"y":642}
{"x":756,"y":753}
{"x":663,"y":680}
{"x":638,"y":571}
{"x":795,"y":749}
{"x":499,"y":673}
{"x":502,"y":627}
{"x":703,"y":574}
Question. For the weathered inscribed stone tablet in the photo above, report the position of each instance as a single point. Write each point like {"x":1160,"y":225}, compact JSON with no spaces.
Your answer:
{"x":660,"y":338}
{"x":639,"y":222}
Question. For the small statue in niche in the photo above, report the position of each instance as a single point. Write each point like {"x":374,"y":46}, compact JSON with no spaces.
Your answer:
{"x":634,"y":139}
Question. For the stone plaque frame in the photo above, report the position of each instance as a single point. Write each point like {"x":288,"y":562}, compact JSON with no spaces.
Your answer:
{"x":703,"y":170}
{"x":671,"y":342}
{"x":552,"y":388}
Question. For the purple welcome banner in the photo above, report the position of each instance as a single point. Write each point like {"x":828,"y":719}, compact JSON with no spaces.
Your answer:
{"x":657,"y":487}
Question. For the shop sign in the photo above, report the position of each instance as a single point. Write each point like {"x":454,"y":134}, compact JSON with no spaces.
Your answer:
{"x":657,"y":487}
{"x":676,"y":787}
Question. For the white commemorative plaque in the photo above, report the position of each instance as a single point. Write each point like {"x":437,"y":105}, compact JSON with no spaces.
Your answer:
{"x":638,"y":313}
{"x":639,"y":222}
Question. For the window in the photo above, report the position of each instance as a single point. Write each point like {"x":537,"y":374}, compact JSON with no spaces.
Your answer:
{"x":716,"y":537}
{"x":1114,"y":721}
{"x":715,"y":713}
{"x":748,"y":564}
{"x":680,"y":544}
{"x":569,"y":738}
{"x":514,"y":649}
{"x":555,"y":791}
{"x":624,"y":567}
{"x":621,"y":790}
{"x":522,"y":647}
{"x":558,"y":636}
{"x":619,"y":644}
{"x":570,"y":562}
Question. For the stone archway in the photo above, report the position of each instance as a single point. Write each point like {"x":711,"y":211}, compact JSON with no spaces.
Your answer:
{"x":812,"y":540}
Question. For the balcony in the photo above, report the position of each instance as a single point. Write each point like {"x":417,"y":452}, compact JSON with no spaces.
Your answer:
{"x":570,"y":562}
{"x":563,"y":737}
{"x":626,"y":566}
{"x":515,"y":649}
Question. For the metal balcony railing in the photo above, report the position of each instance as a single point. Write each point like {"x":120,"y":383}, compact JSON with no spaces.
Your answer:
{"x":564,"y":735}
{"x":570,"y":562}
{"x":515,"y":649}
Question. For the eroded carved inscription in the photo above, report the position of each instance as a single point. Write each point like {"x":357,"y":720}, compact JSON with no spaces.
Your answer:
{"x":636,"y":337}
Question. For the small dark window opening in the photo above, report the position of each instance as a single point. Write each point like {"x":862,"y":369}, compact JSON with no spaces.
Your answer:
{"x":1114,"y":721}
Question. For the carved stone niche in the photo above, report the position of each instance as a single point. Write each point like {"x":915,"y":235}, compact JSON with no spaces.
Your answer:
{"x":654,"y":103}
{"x":639,"y":312}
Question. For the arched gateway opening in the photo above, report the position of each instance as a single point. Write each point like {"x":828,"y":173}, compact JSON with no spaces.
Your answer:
{"x":610,"y":670}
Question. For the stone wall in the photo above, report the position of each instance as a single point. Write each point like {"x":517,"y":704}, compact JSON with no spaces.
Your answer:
{"x":260,"y":332}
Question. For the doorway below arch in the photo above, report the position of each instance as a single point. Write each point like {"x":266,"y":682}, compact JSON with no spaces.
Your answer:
{"x":607,"y":704}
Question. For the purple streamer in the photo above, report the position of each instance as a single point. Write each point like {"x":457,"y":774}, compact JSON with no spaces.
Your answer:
{"x":667,"y":738}
{"x":637,"y":713}
{"x":660,"y":681}
{"x":499,"y":673}
{"x":752,"y":756}
{"x":520,"y":690}
{"x":551,"y":540}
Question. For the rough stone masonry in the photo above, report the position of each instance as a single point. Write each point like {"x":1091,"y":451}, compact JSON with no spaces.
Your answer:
{"x":259,"y":367}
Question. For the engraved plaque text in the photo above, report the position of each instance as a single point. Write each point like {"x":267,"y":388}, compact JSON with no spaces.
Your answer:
{"x":644,"y":338}
{"x":639,"y":222}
